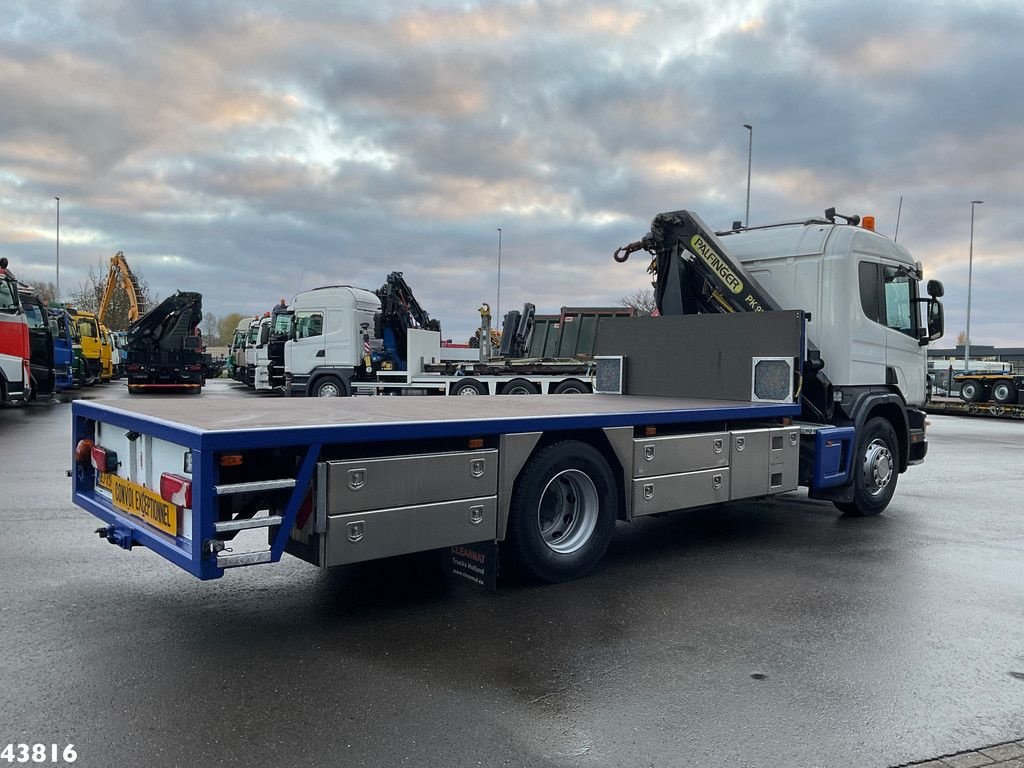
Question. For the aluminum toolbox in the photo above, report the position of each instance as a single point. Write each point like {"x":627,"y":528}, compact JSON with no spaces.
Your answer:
{"x":680,"y":491}
{"x":353,"y":538}
{"x":679,"y":453}
{"x":399,"y":481}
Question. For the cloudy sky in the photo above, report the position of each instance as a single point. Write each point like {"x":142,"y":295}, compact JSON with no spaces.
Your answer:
{"x":250,"y":150}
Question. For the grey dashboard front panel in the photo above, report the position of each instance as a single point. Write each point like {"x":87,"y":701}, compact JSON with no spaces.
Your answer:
{"x":375,"y":534}
{"x":667,"y":493}
{"x":667,"y":455}
{"x":357,"y":485}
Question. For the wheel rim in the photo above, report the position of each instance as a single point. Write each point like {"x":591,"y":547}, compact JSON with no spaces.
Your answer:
{"x":878,"y":469}
{"x":467,"y":391}
{"x":519,"y":389}
{"x":968,"y":390}
{"x":328,"y":389}
{"x":1001,"y":392}
{"x":568,"y":510}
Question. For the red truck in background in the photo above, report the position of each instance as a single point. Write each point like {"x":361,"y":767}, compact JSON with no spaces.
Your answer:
{"x":15,"y":354}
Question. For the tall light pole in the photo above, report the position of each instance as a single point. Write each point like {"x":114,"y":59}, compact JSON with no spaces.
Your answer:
{"x":970,"y":271}
{"x":58,"y":247}
{"x":750,"y":157}
{"x":498,"y":303}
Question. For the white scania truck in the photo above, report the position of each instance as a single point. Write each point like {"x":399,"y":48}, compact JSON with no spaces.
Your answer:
{"x":784,"y":356}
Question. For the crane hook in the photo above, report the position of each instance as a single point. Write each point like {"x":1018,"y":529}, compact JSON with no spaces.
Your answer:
{"x":626,"y":250}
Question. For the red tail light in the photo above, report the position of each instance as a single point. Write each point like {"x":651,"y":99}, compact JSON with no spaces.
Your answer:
{"x":104,"y":460}
{"x":195,"y":368}
{"x":83,"y":451}
{"x":176,"y":489}
{"x":133,"y":367}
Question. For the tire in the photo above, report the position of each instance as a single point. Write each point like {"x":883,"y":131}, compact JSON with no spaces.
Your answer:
{"x":1004,"y":392}
{"x":329,"y":386}
{"x":571,"y":387}
{"x":520,"y":387}
{"x":468,"y":387}
{"x":875,"y":471}
{"x":970,"y":390}
{"x":563,"y":512}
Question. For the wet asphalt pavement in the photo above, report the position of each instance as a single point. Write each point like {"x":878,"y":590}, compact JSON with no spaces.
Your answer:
{"x":877,"y":641}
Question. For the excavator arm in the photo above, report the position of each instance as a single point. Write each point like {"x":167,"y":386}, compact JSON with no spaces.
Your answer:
{"x":120,"y":272}
{"x":694,"y":273}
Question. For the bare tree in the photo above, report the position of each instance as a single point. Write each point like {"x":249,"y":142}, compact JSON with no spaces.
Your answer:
{"x":46,"y":291}
{"x":642,"y":300}
{"x":961,"y":338}
{"x":89,"y":294}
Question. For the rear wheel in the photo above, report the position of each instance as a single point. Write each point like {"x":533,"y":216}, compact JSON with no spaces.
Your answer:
{"x":970,"y":391}
{"x":876,"y":468}
{"x":1003,"y":391}
{"x":563,"y":511}
{"x":520,"y":387}
{"x":329,"y":386}
{"x":571,"y":387}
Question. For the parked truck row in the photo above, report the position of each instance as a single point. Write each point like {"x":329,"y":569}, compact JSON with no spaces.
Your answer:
{"x":340,"y":340}
{"x":50,"y":348}
{"x":782,"y":356}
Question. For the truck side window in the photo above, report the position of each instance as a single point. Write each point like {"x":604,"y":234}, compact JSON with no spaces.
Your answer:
{"x":869,"y":282}
{"x":34,"y":317}
{"x":899,"y":302}
{"x":8,"y":303}
{"x":309,"y":325}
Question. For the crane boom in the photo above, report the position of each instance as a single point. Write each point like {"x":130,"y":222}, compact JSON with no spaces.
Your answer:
{"x":694,"y":271}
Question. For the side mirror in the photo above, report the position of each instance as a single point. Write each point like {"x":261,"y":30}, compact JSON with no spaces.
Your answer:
{"x":936,"y":321}
{"x":935,"y":289}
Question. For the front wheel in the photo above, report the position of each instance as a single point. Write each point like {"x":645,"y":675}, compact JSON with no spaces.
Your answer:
{"x":563,"y":511}
{"x":329,"y":386}
{"x":876,"y":469}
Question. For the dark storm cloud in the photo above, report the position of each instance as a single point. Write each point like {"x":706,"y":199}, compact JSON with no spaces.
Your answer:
{"x":250,"y":150}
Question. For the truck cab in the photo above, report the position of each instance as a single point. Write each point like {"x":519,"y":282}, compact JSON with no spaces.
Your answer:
{"x":874,"y":336}
{"x":327,"y":348}
{"x":106,"y":355}
{"x":260,"y":370}
{"x":89,"y":336}
{"x":41,"y":347}
{"x":65,"y":347}
{"x":15,"y":355}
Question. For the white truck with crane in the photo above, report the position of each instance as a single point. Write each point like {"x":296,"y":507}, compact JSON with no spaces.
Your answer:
{"x":783,"y":356}
{"x":349,"y":340}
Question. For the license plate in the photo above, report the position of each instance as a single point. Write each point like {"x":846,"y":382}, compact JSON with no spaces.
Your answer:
{"x":140,"y":502}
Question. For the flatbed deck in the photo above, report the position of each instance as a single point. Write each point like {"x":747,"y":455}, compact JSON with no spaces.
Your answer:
{"x":295,"y":422}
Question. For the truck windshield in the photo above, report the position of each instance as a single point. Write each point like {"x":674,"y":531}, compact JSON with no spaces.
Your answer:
{"x":254,"y":332}
{"x":283,"y":325}
{"x":86,"y":327}
{"x":8,"y":297}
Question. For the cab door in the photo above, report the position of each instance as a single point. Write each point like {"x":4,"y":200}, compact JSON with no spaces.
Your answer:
{"x":905,"y":357}
{"x":307,"y":350}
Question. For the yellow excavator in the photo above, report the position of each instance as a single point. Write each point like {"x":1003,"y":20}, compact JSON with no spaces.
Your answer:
{"x":120,"y":273}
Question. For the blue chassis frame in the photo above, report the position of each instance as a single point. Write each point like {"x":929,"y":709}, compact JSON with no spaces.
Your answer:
{"x":127,"y":532}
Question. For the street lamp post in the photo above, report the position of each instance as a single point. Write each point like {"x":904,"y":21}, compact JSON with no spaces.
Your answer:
{"x":750,"y":157}
{"x":970,"y":272}
{"x":498,"y":303}
{"x":58,"y":247}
